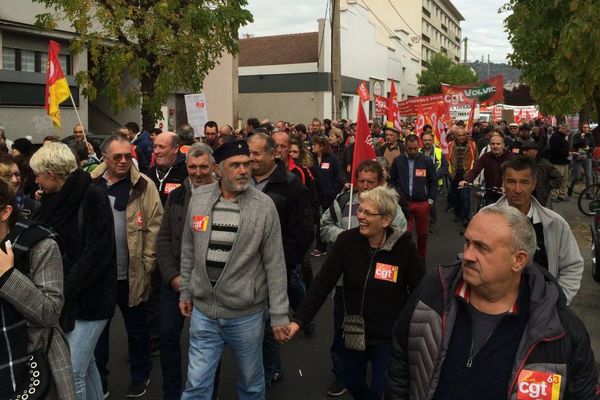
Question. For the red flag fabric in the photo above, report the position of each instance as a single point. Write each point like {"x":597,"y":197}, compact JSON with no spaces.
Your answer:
{"x":380,"y":105}
{"x":363,"y":148}
{"x":392,"y":106}
{"x":471,"y":116}
{"x":363,"y":92}
{"x":57,"y":88}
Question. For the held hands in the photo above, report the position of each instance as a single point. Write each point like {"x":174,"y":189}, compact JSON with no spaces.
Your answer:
{"x":285,"y":333}
{"x":6,"y":258}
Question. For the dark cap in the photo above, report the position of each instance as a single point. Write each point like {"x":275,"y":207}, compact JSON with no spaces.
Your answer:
{"x":529,"y":146}
{"x":24,"y":146}
{"x":524,"y":126}
{"x":389,"y":128}
{"x":235,"y":148}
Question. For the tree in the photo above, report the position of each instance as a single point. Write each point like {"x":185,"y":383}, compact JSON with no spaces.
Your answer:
{"x":162,"y":45}
{"x":554,"y":44}
{"x":518,"y":96}
{"x":442,"y":70}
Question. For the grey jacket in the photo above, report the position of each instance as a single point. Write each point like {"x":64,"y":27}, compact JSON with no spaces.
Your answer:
{"x":564,"y":259}
{"x":255,"y":272}
{"x":39,"y":298}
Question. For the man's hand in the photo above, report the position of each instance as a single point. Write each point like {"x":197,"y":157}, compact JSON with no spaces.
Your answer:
{"x":462,"y":184}
{"x":175,"y":283}
{"x":281,"y":333}
{"x":294,"y":328}
{"x":6,"y":258}
{"x":185,"y":307}
{"x":90,"y":148}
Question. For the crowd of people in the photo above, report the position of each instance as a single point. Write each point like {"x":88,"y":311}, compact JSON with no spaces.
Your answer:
{"x":221,"y":226}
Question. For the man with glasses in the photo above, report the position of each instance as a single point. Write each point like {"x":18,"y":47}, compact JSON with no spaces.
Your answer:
{"x":200,"y":169}
{"x":137,"y":212}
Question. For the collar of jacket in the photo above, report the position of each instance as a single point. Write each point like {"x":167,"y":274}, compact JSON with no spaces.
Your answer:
{"x":138,"y":183}
{"x":393,"y":235}
{"x":279,"y":174}
{"x":214,"y":190}
{"x":545,"y":296}
{"x":542,"y":211}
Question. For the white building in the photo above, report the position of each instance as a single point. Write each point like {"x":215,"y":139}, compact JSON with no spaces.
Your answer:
{"x":289,"y":76}
{"x":441,"y":30}
{"x":23,"y":56}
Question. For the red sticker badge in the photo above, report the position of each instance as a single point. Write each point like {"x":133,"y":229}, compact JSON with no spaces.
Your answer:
{"x":386,"y":272}
{"x":200,"y":223}
{"x":325,"y":165}
{"x":139,"y":219}
{"x":421,"y":172}
{"x":538,"y":385}
{"x":169,"y":187}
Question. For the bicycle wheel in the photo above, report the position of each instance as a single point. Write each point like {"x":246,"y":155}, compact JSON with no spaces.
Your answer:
{"x":588,"y":201}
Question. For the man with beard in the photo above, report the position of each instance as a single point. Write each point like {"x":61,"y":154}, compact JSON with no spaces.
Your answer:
{"x":392,"y":147}
{"x":232,"y":272}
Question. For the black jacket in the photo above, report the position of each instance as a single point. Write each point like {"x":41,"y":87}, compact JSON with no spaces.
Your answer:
{"x":328,"y":178}
{"x":292,"y":200}
{"x":554,"y":340}
{"x":351,"y":256}
{"x":558,"y":149}
{"x":173,"y":177}
{"x":582,"y":141}
{"x":424,"y":178}
{"x":168,"y":241}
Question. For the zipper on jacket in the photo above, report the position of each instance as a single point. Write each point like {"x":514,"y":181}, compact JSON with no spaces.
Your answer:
{"x":471,"y":355}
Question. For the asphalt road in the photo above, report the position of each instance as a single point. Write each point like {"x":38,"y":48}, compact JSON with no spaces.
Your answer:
{"x":306,"y":360}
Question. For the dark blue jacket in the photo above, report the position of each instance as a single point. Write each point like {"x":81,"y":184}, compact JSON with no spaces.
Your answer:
{"x":144,"y":144}
{"x":424,"y":177}
{"x":329,"y":180}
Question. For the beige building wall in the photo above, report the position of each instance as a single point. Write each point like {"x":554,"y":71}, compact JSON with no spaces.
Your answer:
{"x":220,"y":89}
{"x":293,"y":107}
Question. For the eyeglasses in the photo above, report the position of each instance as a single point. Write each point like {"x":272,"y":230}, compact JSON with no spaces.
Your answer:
{"x":117,"y":157}
{"x":366,"y":213}
{"x":74,"y":132}
{"x":11,"y":174}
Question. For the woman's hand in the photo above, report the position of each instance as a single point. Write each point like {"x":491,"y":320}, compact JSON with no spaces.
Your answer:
{"x":6,"y":258}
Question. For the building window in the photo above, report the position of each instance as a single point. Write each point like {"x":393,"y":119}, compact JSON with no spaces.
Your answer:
{"x":28,"y":60}
{"x":8,"y":59}
{"x":444,"y":28}
{"x":426,"y":12}
{"x":425,"y":37}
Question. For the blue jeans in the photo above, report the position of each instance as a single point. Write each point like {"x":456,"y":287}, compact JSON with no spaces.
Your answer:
{"x":584,"y":166}
{"x":337,"y":346}
{"x":271,"y":349}
{"x":138,"y":339}
{"x":208,"y":336}
{"x":355,"y":371}
{"x":82,"y":341}
{"x":171,"y":326}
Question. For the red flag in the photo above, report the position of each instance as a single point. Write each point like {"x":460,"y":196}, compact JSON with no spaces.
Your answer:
{"x":57,"y":89}
{"x":471,"y":116}
{"x":392,"y":106}
{"x":380,"y":105}
{"x":363,"y":149}
{"x":363,"y":92}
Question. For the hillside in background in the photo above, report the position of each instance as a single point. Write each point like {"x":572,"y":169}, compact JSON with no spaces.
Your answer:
{"x":510,"y":74}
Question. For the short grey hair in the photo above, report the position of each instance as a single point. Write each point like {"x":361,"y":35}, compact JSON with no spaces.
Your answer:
{"x":200,"y":149}
{"x":108,"y":141}
{"x":522,"y":231}
{"x":385,"y":199}
{"x":269,"y":142}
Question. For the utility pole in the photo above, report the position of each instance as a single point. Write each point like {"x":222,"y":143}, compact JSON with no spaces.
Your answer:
{"x":336,"y":62}
{"x":465,"y":56}
{"x":488,"y":74}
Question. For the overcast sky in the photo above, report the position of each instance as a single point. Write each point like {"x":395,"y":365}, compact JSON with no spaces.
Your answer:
{"x":483,"y":25}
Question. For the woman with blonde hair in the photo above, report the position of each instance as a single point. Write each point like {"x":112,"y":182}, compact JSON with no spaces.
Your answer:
{"x":81,"y":214}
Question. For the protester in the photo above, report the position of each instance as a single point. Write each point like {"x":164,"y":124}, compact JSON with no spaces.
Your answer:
{"x":141,"y":139}
{"x":493,"y":326}
{"x":200,"y":167}
{"x":216,"y":271}
{"x":583,"y":145}
{"x":547,"y":176}
{"x":80,"y":213}
{"x":441,"y":168}
{"x":369,"y":258}
{"x":9,"y":171}
{"x":559,"y":155}
{"x":31,"y":299}
{"x":137,"y":212}
{"x":461,"y":157}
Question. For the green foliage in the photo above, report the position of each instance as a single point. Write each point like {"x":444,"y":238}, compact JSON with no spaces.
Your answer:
{"x":555,"y":46}
{"x":442,"y":70}
{"x":165,"y":45}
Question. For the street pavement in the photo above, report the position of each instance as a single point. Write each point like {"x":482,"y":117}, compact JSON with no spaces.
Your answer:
{"x":306,"y":360}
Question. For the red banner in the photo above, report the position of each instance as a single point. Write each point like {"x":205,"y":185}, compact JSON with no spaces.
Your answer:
{"x":487,"y":92}
{"x":427,"y":103}
{"x":363,"y":149}
{"x":363,"y":92}
{"x":380,"y":105}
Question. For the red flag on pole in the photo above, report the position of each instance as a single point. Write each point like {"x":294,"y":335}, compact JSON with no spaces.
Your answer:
{"x":471,"y":116}
{"x":392,"y":106}
{"x":363,"y":149}
{"x":57,"y":89}
{"x":363,"y":92}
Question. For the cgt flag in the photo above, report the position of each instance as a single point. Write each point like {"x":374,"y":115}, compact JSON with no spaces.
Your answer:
{"x":392,"y":106}
{"x":57,"y":89}
{"x":363,"y":148}
{"x":363,"y":92}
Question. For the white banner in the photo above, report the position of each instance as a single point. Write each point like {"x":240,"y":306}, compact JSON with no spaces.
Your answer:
{"x":197,"y":112}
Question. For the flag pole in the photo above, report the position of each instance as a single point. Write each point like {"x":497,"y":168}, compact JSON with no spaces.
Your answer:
{"x":350,"y":206}
{"x":78,"y":117}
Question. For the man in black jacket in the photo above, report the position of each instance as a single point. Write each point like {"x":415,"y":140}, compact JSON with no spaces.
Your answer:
{"x":200,"y":168}
{"x":292,"y":200}
{"x":559,"y":153}
{"x":415,"y":177}
{"x":495,"y":326}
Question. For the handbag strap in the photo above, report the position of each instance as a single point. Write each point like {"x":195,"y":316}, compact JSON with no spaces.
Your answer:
{"x":362,"y":302}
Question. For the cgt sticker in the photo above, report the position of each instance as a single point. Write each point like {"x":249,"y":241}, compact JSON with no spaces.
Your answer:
{"x":200,"y":223}
{"x":386,"y":272}
{"x":169,"y":187}
{"x":538,"y":385}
